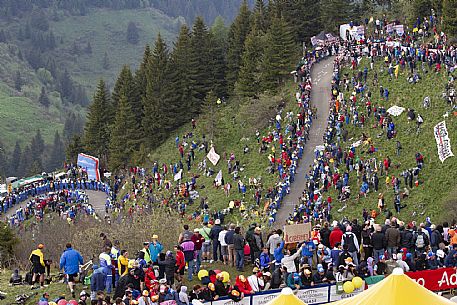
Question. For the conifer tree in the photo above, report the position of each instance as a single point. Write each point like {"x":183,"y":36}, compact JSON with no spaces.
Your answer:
{"x":44,"y":99}
{"x":334,"y":13}
{"x":96,"y":135}
{"x":140,"y":74}
{"x":450,"y":17}
{"x":278,"y":57}
{"x":74,"y":147}
{"x":124,"y":135}
{"x":199,"y":70}
{"x":248,"y":83}
{"x":260,"y":16}
{"x":237,"y":35}
{"x":26,"y":161}
{"x":209,"y":107}
{"x":125,"y":85}
{"x":57,"y":155}
{"x":156,"y":115}
{"x":177,"y":86}
{"x":217,"y":66}
{"x":16,"y":158}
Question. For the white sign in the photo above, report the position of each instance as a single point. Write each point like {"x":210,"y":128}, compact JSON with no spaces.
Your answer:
{"x":336,"y":297}
{"x":399,"y":29}
{"x":264,"y":298}
{"x":297,"y":233}
{"x":178,"y":175}
{"x":443,"y":143}
{"x":245,"y":301}
{"x":213,"y":156}
{"x":219,"y":177}
{"x":395,"y":110}
{"x":313,"y":295}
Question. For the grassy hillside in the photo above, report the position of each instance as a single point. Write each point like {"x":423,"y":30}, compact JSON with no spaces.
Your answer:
{"x":103,"y":29}
{"x":436,"y":180}
{"x":106,"y":31}
{"x":20,"y":113}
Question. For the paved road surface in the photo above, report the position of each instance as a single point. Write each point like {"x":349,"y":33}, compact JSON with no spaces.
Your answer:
{"x":321,"y":76}
{"x":97,"y":199}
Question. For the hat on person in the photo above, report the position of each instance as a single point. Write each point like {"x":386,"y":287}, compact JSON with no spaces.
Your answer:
{"x":335,"y":223}
{"x":408,"y":255}
{"x":218,"y":221}
{"x":242,"y":278}
{"x":83,"y":293}
{"x":348,"y":260}
{"x":257,"y":229}
{"x":211,"y":286}
{"x":162,"y":288}
{"x":268,"y":274}
{"x":307,"y":272}
{"x":155,"y":236}
{"x":162,"y":281}
{"x":40,"y":246}
{"x":155,"y":298}
{"x":320,"y":247}
{"x":378,"y":228}
{"x":196,"y":230}
{"x":255,"y":270}
{"x":381,"y":257}
{"x":145,"y":243}
{"x":134,"y":302}
{"x":145,"y":293}
{"x":320,"y":269}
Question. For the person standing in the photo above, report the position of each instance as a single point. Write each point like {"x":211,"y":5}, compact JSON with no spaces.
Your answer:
{"x":351,"y":241}
{"x":214,"y":234}
{"x":198,"y":240}
{"x":105,"y":263}
{"x":393,"y":239}
{"x":155,"y":247}
{"x":38,"y":265}
{"x":70,"y":261}
{"x":238,"y":244}
{"x":229,"y":241}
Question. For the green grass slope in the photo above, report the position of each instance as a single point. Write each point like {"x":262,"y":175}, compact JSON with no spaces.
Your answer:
{"x":106,"y":31}
{"x":436,"y":180}
{"x":235,"y":126}
{"x":20,"y":113}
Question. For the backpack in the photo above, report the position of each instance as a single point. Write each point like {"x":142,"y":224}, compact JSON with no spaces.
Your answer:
{"x":420,"y":241}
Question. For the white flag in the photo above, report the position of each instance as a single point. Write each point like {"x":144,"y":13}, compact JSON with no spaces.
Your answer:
{"x":178,"y":175}
{"x":213,"y":156}
{"x":219,"y":177}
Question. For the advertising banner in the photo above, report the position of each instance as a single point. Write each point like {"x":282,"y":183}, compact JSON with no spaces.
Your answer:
{"x":90,"y":165}
{"x":436,"y":280}
{"x":314,"y":295}
{"x":334,"y":296}
{"x":262,"y":299}
{"x":244,"y":301}
{"x":297,"y":233}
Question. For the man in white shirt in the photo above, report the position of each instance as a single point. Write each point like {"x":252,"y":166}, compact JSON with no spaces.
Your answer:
{"x":224,"y":246}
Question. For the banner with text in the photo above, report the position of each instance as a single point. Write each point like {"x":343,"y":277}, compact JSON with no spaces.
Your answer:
{"x":443,"y":143}
{"x":213,"y":156}
{"x":436,"y":280}
{"x":297,"y":233}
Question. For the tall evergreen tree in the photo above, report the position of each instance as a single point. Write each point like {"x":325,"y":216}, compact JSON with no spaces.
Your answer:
{"x":26,"y":162}
{"x":209,"y":107}
{"x":237,"y":35}
{"x":156,"y":115}
{"x":18,"y":82}
{"x":260,"y":17}
{"x":177,"y":85}
{"x":450,"y":17}
{"x":74,"y":147}
{"x":248,"y":83}
{"x":280,"y":52}
{"x":217,"y":66}
{"x":96,"y":136}
{"x":125,"y":85}
{"x":57,"y":155}
{"x":334,"y":13}
{"x":16,"y":158}
{"x":44,"y":99}
{"x":199,"y":71}
{"x":140,"y":75}
{"x":124,"y":135}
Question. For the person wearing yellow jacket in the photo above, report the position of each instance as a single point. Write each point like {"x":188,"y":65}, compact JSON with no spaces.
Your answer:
{"x":123,"y":263}
{"x":38,"y":265}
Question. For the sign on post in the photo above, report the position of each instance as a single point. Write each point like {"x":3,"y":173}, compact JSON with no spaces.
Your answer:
{"x":297,"y":233}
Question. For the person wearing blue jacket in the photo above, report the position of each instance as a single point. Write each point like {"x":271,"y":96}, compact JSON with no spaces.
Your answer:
{"x":155,"y":247}
{"x":70,"y":261}
{"x":278,"y":255}
{"x":97,"y":281}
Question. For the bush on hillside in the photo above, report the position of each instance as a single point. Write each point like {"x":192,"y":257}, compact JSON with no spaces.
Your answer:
{"x":7,"y":242}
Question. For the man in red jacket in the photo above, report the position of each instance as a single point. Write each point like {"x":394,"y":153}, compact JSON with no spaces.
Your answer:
{"x":335,"y":235}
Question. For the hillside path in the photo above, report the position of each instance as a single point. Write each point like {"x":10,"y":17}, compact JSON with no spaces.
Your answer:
{"x":321,"y":76}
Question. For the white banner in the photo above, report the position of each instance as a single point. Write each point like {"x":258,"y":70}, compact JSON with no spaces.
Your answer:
{"x":336,"y":297}
{"x":313,"y":295}
{"x":297,"y":233}
{"x":395,"y":110}
{"x":178,"y":175}
{"x":245,"y":301}
{"x":443,"y":143}
{"x":313,"y":40}
{"x":213,"y":156}
{"x":263,"y":298}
